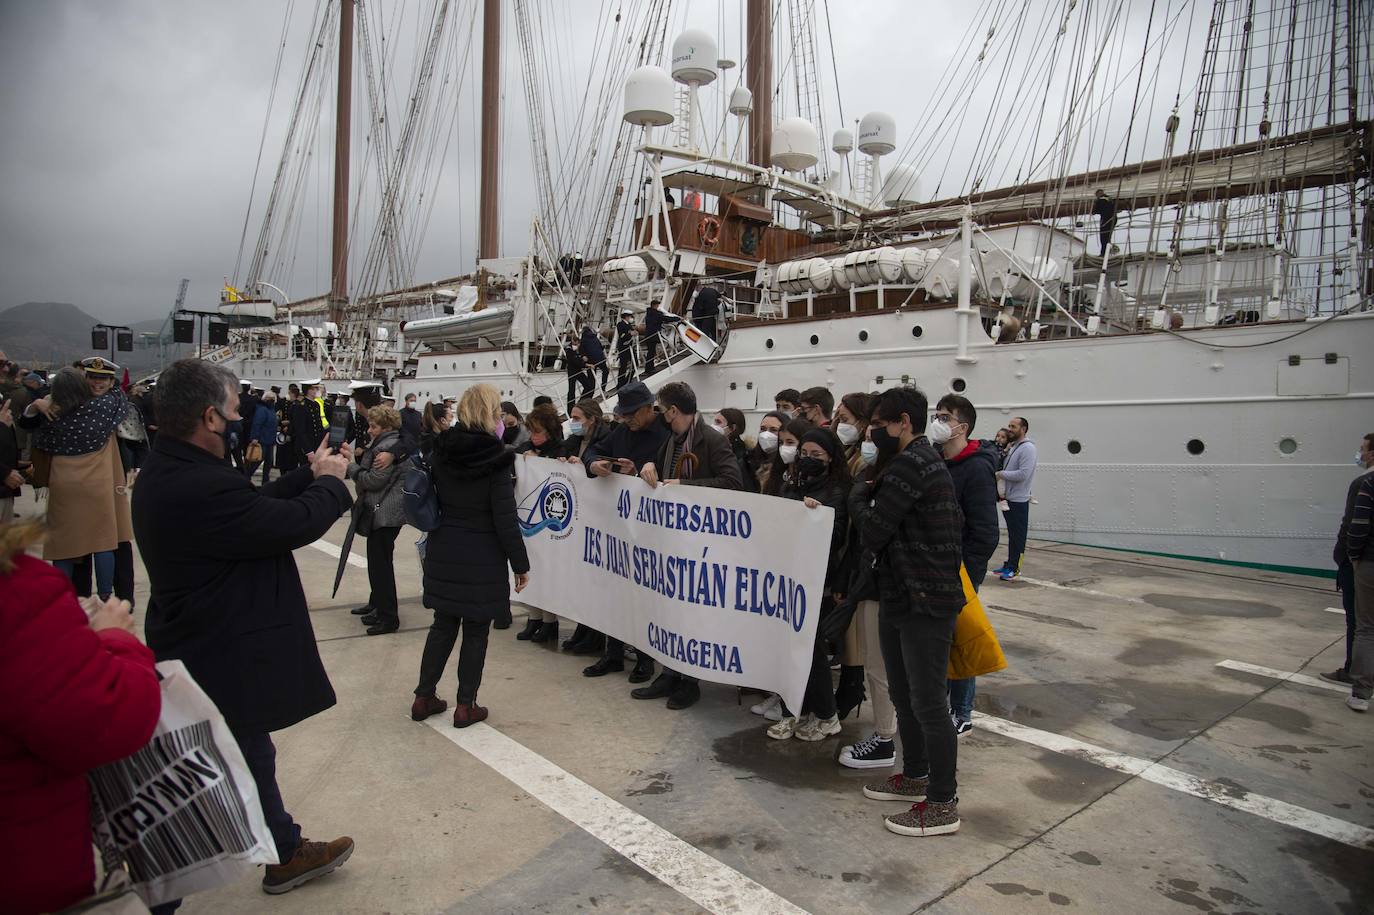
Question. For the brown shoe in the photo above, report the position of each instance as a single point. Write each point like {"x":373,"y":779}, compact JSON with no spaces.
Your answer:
{"x":311,"y":860}
{"x":464,"y":715}
{"x":424,"y":706}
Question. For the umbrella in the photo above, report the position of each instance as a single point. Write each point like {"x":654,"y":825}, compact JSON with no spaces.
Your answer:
{"x":345,"y":552}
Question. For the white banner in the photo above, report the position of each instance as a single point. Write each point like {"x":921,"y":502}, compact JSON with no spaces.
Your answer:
{"x":724,"y":586}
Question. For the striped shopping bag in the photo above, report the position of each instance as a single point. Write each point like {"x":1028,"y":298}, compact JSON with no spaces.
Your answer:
{"x":182,"y":814}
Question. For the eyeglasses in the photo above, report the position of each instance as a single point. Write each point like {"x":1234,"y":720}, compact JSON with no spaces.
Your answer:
{"x":943,"y":417}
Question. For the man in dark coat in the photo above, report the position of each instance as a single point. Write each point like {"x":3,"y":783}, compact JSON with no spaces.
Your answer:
{"x":705,"y":308}
{"x":909,"y":520}
{"x":974,"y":471}
{"x":632,"y":444}
{"x":1104,"y":208}
{"x":695,"y":454}
{"x":412,"y":422}
{"x":595,"y":354}
{"x":624,"y":349}
{"x":248,"y":408}
{"x":578,"y":373}
{"x":654,"y":319}
{"x":226,"y":598}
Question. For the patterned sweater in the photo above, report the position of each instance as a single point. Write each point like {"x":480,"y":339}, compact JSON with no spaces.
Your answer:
{"x":910,"y":520}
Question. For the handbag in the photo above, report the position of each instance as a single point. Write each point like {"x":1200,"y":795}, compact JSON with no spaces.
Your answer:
{"x":253,"y":453}
{"x":420,"y":497}
{"x":182,"y":814}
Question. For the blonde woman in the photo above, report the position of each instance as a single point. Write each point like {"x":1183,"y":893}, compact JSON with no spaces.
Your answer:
{"x":465,"y":581}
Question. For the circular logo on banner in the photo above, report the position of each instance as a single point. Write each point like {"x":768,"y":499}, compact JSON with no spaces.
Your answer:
{"x":552,"y":507}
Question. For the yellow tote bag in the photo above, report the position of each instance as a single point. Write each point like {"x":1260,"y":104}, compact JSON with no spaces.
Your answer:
{"x":975,"y":651}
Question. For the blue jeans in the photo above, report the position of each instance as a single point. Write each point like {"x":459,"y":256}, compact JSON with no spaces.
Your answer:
{"x":1018,"y":521}
{"x":104,"y":571}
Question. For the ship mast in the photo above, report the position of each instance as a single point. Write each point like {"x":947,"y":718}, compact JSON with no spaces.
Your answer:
{"x":759,"y":77}
{"x":489,"y":222}
{"x":343,"y":117}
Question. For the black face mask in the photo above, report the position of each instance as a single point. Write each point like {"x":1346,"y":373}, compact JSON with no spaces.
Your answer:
{"x":885,"y":441}
{"x":228,"y":447}
{"x":811,"y":468}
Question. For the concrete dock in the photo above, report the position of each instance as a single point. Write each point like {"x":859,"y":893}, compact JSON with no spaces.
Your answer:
{"x":1146,"y":751}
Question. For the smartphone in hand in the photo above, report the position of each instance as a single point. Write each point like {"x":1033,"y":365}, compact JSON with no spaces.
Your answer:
{"x":339,"y":419}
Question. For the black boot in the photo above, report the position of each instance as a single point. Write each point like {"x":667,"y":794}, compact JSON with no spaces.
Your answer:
{"x":547,"y":633}
{"x":644,"y":669}
{"x":370,"y":619}
{"x":531,"y":627}
{"x":661,"y":687}
{"x":595,"y":643}
{"x":578,"y":637}
{"x":850,"y":694}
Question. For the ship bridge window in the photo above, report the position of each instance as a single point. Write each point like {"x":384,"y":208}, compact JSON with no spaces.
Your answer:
{"x":1196,"y":446}
{"x":1075,"y":446}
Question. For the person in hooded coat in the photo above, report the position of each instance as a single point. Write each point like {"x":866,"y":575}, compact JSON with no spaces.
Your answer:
{"x":465,"y":579}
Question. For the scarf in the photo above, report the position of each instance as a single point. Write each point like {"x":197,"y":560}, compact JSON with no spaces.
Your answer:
{"x":86,"y":429}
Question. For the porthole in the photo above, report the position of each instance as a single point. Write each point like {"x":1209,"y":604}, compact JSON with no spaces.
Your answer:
{"x":815,"y":339}
{"x":493,"y":363}
{"x":917,"y":330}
{"x":768,"y":344}
{"x":453,"y":367}
{"x":474,"y":365}
{"x":1075,"y":446}
{"x":863,"y":336}
{"x":1287,"y":445}
{"x":958,"y":385}
{"x":1195,"y":446}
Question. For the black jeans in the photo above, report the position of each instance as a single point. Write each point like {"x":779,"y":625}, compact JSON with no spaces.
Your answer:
{"x":1345,"y":583}
{"x":381,"y":573}
{"x":625,"y":368}
{"x":651,"y":355}
{"x":472,"y":656}
{"x":916,"y":655}
{"x":1018,"y":522}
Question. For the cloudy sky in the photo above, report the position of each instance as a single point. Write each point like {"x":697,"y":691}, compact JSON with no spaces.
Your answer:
{"x":132,"y":127}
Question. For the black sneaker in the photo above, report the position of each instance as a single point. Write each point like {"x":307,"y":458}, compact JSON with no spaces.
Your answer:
{"x":874,"y":753}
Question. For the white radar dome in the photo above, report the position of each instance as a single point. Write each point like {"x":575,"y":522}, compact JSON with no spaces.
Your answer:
{"x":877,"y":134}
{"x":741,"y":101}
{"x":842,"y":141}
{"x":795,"y":145}
{"x":694,"y":57}
{"x":902,"y":186}
{"x":649,"y":97}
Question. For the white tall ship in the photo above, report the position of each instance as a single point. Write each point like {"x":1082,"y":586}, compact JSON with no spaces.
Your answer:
{"x":1196,"y":389}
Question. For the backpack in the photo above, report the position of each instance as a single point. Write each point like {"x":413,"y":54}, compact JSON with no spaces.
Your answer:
{"x":420,"y":500}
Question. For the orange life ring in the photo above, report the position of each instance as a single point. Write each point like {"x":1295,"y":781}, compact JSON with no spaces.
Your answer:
{"x":708,"y":231}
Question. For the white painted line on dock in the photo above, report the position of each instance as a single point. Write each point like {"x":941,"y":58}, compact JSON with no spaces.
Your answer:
{"x":683,"y":867}
{"x":1226,"y":795}
{"x":1040,"y":582}
{"x":324,"y":546}
{"x":1285,"y":676}
{"x":1340,"y":610}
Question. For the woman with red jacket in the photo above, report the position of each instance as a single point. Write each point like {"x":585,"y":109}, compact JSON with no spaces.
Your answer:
{"x":78,"y":694}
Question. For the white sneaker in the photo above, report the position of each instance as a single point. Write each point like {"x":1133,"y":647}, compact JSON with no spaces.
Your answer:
{"x":772,"y":704}
{"x":819,"y":728}
{"x":784,"y":729}
{"x":1357,"y":704}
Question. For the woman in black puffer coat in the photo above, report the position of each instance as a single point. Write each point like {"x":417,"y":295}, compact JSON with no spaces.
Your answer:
{"x":465,"y":581}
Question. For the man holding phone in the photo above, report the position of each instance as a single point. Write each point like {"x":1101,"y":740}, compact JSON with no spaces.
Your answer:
{"x":632,"y":443}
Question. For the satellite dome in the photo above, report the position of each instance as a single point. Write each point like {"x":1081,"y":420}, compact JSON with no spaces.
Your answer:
{"x":649,"y":97}
{"x":877,"y":134}
{"x":741,"y":101}
{"x":694,"y":57}
{"x":843,"y":141}
{"x":795,"y":145}
{"x":902,"y":186}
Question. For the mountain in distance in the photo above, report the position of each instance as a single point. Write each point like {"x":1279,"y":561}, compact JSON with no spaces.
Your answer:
{"x":53,"y":334}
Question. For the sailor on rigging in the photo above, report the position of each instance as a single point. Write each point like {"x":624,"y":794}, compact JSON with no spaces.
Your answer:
{"x":1104,"y":208}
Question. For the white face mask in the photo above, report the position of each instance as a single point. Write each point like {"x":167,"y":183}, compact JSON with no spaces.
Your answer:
{"x":848,"y":434}
{"x":869,"y":452}
{"x":939,"y":432}
{"x":768,"y":441}
{"x":720,"y":427}
{"x":574,"y":428}
{"x":788,"y":453}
